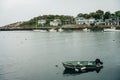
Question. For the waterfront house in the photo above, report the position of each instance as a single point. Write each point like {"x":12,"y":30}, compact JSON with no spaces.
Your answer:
{"x":108,"y":22}
{"x":81,"y":20}
{"x":117,"y":21}
{"x":68,"y":21}
{"x":55,"y":22}
{"x":91,"y":21}
{"x":41,"y":22}
{"x":113,"y":21}
{"x":99,"y":22}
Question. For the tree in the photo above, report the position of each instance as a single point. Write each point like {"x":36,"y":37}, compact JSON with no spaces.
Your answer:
{"x":107,"y":15}
{"x":117,"y":13}
{"x":99,"y":14}
{"x":92,"y":14}
{"x":87,"y":16}
{"x":80,"y":15}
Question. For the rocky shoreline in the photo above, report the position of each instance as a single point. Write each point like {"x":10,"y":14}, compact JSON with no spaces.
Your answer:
{"x":66,"y":28}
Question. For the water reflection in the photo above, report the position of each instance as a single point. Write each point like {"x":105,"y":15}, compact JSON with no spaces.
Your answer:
{"x":73,"y":72}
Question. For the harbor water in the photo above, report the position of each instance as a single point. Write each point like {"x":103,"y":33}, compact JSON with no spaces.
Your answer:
{"x":29,"y":55}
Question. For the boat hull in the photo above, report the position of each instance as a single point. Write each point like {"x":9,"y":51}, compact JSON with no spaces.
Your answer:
{"x":111,"y":30}
{"x":87,"y":66}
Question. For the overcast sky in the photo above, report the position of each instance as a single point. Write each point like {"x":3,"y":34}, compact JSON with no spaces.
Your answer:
{"x":21,"y":10}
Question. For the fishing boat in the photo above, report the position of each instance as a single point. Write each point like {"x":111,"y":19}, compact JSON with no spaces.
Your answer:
{"x":60,"y":30}
{"x":86,"y":30}
{"x":83,"y":65}
{"x":112,"y":29}
{"x":52,"y":30}
{"x":39,"y":30}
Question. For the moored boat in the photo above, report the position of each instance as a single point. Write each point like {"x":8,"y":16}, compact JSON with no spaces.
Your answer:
{"x":52,"y":30}
{"x":39,"y":30}
{"x":86,"y":30}
{"x":60,"y":30}
{"x":73,"y":72}
{"x":82,"y":65}
{"x":112,"y":29}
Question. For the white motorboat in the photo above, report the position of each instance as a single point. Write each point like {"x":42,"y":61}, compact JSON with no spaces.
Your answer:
{"x":112,"y":29}
{"x":86,"y":30}
{"x":52,"y":30}
{"x":39,"y":30}
{"x":60,"y":30}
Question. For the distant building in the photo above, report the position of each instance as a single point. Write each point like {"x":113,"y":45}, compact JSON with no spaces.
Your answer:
{"x":91,"y":21}
{"x":116,"y":21}
{"x":108,"y":22}
{"x":113,"y":21}
{"x":42,"y":21}
{"x":55,"y":22}
{"x":68,"y":21}
{"x":81,"y":20}
{"x":99,"y":22}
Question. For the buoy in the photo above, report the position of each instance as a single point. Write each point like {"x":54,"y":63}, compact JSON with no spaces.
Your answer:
{"x":56,"y":65}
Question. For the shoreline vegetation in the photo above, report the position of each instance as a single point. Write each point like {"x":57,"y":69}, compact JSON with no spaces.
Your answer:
{"x":95,"y":21}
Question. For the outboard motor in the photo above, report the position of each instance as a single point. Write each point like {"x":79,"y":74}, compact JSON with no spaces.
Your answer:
{"x":98,"y":62}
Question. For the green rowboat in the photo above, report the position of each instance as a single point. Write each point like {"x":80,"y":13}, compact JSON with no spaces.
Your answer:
{"x":81,"y":65}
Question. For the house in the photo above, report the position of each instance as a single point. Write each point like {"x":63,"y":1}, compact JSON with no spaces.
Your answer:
{"x":41,"y":22}
{"x":113,"y":21}
{"x":55,"y":22}
{"x":81,"y":20}
{"x":99,"y":22}
{"x":68,"y":21}
{"x":108,"y":22}
{"x":91,"y":21}
{"x":117,"y":21}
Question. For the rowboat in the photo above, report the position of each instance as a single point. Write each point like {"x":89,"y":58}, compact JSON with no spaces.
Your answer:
{"x":82,"y":65}
{"x":73,"y":72}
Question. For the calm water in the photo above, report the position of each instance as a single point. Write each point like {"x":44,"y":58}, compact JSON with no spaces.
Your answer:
{"x":27,"y":55}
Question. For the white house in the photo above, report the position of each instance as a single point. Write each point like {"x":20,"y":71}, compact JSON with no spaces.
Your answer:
{"x":55,"y":22}
{"x":42,"y":21}
{"x":113,"y":21}
{"x":81,"y":20}
{"x":100,"y":22}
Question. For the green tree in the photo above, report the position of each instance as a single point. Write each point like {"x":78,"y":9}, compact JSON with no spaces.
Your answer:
{"x":99,"y":14}
{"x":117,"y":13}
{"x":80,"y":15}
{"x":87,"y":16}
{"x":107,"y":15}
{"x":92,"y":14}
